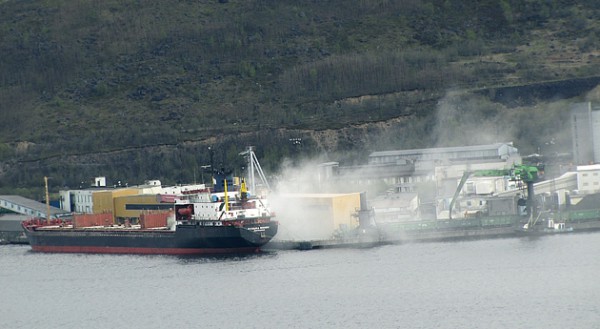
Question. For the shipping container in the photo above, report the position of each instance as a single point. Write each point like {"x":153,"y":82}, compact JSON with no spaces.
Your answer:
{"x":154,"y":219}
{"x":87,"y":220}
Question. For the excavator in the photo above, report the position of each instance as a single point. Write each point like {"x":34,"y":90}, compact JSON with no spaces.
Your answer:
{"x":520,"y":173}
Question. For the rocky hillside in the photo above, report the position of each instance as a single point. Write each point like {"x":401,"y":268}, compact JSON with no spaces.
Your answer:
{"x":141,"y":90}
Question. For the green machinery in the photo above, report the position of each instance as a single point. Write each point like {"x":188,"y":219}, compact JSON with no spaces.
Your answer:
{"x":520,"y":173}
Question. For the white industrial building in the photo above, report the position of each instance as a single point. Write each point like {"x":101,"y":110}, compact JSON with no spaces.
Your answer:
{"x":447,"y":155}
{"x":443,"y":165}
{"x":31,"y":208}
{"x":77,"y":201}
{"x":588,"y":179}
{"x":82,"y":200}
{"x":396,"y":207}
{"x":585,"y":128}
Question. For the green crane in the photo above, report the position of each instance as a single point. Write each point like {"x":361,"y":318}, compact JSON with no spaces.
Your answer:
{"x":523,"y":173}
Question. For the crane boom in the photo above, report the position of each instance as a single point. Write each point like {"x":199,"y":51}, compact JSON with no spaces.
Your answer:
{"x":524,"y":173}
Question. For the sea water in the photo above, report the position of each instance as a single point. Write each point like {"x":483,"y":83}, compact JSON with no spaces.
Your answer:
{"x":546,"y":282}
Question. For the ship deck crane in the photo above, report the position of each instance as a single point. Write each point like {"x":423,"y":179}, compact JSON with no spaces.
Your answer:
{"x":523,"y":173}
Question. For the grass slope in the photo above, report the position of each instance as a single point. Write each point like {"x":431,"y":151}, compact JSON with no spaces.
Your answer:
{"x":140,"y":89}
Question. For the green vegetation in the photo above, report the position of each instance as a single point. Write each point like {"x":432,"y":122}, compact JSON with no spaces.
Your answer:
{"x":138,"y":90}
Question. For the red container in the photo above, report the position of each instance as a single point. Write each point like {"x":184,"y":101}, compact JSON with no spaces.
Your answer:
{"x":154,"y":219}
{"x":85,"y":220}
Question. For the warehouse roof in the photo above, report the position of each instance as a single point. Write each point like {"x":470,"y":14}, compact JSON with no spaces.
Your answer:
{"x":7,"y":200}
{"x":438,"y":150}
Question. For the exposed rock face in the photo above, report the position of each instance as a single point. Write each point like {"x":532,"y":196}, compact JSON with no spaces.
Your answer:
{"x":530,"y":94}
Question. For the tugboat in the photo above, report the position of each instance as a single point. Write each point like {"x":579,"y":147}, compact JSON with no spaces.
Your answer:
{"x":557,"y":227}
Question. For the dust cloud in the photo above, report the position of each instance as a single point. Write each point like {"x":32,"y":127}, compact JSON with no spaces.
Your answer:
{"x":465,"y":119}
{"x":298,"y":195}
{"x":299,"y":221}
{"x":461,"y":119}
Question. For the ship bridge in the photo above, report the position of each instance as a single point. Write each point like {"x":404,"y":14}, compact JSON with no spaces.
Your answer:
{"x":32,"y":208}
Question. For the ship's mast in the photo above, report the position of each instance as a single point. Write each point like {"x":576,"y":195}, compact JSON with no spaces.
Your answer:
{"x":254,"y":167}
{"x":226,"y":196}
{"x":251,"y":169}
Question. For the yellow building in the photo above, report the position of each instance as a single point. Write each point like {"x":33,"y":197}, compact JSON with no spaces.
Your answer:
{"x":103,"y":201}
{"x":314,"y":216}
{"x":131,"y":206}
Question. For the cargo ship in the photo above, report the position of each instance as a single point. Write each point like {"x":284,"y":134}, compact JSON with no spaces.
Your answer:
{"x":204,"y":222}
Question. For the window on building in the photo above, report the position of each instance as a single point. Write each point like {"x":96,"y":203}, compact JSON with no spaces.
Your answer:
{"x":470,"y":187}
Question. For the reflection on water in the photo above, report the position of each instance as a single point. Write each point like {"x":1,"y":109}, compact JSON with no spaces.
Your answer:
{"x":199,"y":259}
{"x":545,"y":282}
